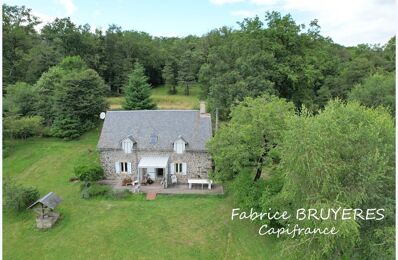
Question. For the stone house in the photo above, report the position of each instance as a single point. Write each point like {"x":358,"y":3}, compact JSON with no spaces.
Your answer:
{"x":156,"y":144}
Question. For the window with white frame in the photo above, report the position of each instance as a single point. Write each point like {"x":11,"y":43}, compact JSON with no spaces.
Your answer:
{"x":127,"y":145}
{"x":178,"y":167}
{"x":179,"y":146}
{"x":123,"y":167}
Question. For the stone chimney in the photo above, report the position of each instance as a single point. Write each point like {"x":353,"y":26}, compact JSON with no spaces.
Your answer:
{"x":202,"y":107}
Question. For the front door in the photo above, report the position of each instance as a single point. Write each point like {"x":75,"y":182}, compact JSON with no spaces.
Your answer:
{"x":152,"y":173}
{"x":159,"y":172}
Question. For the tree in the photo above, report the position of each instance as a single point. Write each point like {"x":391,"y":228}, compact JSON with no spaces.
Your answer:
{"x":71,"y":98}
{"x":353,"y":73}
{"x":342,"y":157}
{"x":249,"y":139}
{"x":186,"y":74}
{"x":20,"y":100}
{"x":41,"y":57}
{"x":19,"y":36}
{"x":49,"y":82}
{"x":65,"y":36}
{"x":168,"y":74}
{"x":46,"y":86}
{"x":376,"y":90}
{"x":256,"y":60}
{"x":389,"y":54}
{"x":138,"y":92}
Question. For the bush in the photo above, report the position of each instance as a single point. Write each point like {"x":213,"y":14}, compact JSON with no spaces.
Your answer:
{"x":98,"y":190}
{"x":89,"y":172}
{"x":246,"y":192}
{"x":119,"y":194}
{"x":6,"y":150}
{"x":20,"y":99}
{"x":18,"y":197}
{"x":23,"y":127}
{"x":89,"y":190}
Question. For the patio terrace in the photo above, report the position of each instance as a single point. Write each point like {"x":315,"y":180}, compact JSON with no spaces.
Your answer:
{"x":172,"y":189}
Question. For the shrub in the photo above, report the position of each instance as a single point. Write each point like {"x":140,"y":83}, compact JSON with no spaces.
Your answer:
{"x":98,"y":190}
{"x":89,"y":190}
{"x":20,"y":99}
{"x":246,"y":192}
{"x":18,"y":197}
{"x":89,"y":172}
{"x":6,"y":150}
{"x":23,"y":127}
{"x":119,"y":194}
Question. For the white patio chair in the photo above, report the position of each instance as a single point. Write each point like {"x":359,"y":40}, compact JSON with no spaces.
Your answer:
{"x":173,"y":179}
{"x":136,"y":188}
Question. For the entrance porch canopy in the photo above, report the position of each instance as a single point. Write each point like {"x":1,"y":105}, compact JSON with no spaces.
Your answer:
{"x":153,"y":162}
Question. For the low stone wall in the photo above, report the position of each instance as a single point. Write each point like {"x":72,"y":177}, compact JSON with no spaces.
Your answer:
{"x":198,"y":163}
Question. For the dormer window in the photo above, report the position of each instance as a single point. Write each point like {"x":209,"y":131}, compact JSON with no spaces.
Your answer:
{"x":179,"y":145}
{"x":127,"y":144}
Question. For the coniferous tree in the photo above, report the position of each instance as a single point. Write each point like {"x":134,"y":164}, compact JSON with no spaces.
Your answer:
{"x":185,"y":73}
{"x":169,"y":77}
{"x":138,"y":91}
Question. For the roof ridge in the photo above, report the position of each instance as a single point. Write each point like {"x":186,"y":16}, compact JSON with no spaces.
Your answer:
{"x":45,"y":197}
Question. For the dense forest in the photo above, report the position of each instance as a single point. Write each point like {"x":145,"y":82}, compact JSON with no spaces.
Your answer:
{"x":274,"y":55}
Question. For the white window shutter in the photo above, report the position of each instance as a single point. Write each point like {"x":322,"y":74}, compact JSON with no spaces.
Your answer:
{"x":171,"y":168}
{"x":117,"y":167}
{"x":184,"y":168}
{"x":129,"y":167}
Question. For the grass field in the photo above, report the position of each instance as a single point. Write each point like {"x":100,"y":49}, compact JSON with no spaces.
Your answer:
{"x":170,"y":227}
{"x":164,"y":100}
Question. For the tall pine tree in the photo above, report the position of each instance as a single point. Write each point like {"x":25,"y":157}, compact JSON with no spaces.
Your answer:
{"x":185,"y":73}
{"x":169,"y":77}
{"x":137,"y":92}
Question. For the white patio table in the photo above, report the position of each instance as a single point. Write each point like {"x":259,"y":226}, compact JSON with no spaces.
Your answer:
{"x":200,"y":181}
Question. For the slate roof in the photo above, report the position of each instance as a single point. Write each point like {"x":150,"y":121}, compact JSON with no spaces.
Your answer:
{"x":51,"y":200}
{"x":167,"y":125}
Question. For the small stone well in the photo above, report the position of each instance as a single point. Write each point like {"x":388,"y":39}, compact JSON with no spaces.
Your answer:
{"x":44,"y":207}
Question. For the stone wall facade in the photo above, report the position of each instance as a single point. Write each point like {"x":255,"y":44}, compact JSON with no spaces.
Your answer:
{"x":198,"y":163}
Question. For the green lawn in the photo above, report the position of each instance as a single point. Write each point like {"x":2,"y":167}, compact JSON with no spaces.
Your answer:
{"x":180,"y":227}
{"x":164,"y":100}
